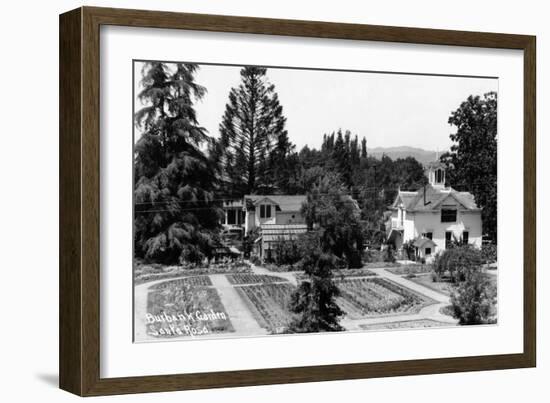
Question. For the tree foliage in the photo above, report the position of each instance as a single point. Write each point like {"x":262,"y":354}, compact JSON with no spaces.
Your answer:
{"x":314,"y":300}
{"x":472,"y":161}
{"x":253,"y":136}
{"x":329,"y":206}
{"x":174,"y":181}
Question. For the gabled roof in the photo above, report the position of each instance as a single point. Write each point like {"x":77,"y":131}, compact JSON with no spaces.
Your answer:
{"x":430,"y":198}
{"x":283,"y":202}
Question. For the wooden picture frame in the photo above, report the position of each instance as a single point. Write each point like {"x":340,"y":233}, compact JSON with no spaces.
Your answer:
{"x":79,"y":348}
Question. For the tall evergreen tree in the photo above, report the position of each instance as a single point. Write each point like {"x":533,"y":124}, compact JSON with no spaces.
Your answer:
{"x":174,"y":181}
{"x":364,"y":148}
{"x":252,"y":127}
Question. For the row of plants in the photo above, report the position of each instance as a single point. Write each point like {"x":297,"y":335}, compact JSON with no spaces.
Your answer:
{"x":249,"y":278}
{"x":145,"y":272}
{"x":406,"y":324}
{"x":378,"y":296}
{"x":342,"y":273}
{"x":406,"y":269}
{"x":269,"y":304}
{"x":193,"y":281}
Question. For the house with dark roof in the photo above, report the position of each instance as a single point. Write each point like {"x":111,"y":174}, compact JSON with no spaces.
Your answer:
{"x":434,"y":216}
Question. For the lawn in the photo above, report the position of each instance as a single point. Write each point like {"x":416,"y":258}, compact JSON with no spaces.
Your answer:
{"x":443,"y":287}
{"x":269,"y":304}
{"x":368,"y":297}
{"x":186,"y":307}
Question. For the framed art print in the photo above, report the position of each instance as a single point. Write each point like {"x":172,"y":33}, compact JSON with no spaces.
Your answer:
{"x":249,"y":201}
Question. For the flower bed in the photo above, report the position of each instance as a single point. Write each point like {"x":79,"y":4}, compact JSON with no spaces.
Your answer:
{"x":185,"y":308}
{"x":269,"y":304}
{"x":253,"y":278}
{"x":406,"y":324}
{"x":341,"y":274}
{"x":150,"y":272}
{"x":194,"y":281}
{"x":411,"y":269}
{"x":377,"y":296}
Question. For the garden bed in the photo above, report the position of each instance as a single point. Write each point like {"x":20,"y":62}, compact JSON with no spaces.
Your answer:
{"x":411,"y":269}
{"x":192,"y":281}
{"x":406,"y":324}
{"x":269,"y":304}
{"x":144,"y":273}
{"x":443,"y":287}
{"x":248,"y":278}
{"x":341,"y":274}
{"x":185,"y":307}
{"x":369,"y":297}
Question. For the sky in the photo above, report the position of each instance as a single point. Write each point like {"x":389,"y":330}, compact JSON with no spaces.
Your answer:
{"x":388,"y":109}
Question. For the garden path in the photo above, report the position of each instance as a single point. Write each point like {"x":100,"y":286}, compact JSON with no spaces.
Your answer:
{"x":242,"y":319}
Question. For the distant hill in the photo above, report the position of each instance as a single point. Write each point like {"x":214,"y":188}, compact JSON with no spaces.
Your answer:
{"x":421,"y":155}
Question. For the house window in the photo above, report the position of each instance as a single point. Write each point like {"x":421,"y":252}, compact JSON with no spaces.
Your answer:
{"x":231,"y":217}
{"x":448,"y":239}
{"x":428,"y":251}
{"x":448,"y":215}
{"x":439,"y":176}
{"x":428,"y":235}
{"x":265,"y":211}
{"x":465,"y":237}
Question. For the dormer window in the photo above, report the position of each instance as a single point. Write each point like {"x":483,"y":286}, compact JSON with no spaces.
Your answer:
{"x":265,"y":211}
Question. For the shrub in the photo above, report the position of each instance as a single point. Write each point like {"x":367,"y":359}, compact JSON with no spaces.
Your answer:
{"x":372,"y":255}
{"x":409,"y":249}
{"x":489,"y":252}
{"x":255,"y":259}
{"x":389,"y":255}
{"x":458,"y":262}
{"x":474,"y":300}
{"x":285,"y":253}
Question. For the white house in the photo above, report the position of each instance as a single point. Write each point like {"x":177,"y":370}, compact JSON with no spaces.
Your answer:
{"x":433,"y":216}
{"x":272,"y":209}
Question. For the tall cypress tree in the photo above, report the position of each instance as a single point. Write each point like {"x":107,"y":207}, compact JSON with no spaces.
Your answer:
{"x":252,"y":126}
{"x":174,"y":181}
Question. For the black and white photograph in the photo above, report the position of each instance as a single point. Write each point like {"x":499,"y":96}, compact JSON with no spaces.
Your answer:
{"x":270,"y":200}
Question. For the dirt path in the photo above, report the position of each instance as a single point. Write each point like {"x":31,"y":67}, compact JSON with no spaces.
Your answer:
{"x":239,"y":314}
